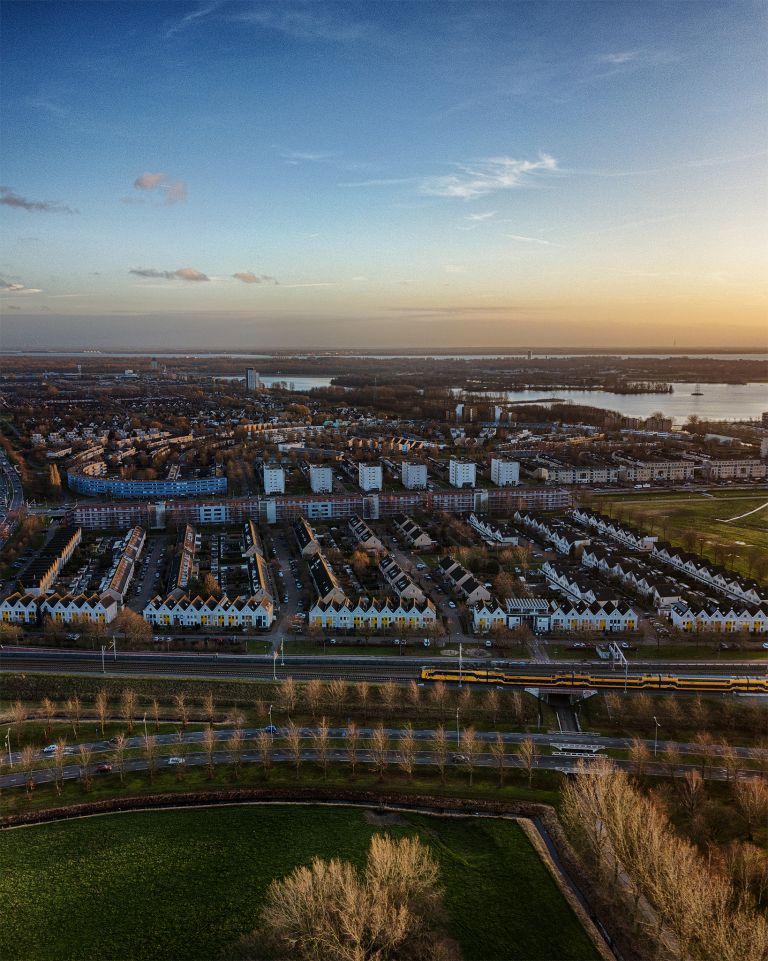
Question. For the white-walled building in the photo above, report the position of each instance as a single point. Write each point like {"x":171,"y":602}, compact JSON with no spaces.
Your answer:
{"x":320,"y":479}
{"x":371,"y":614}
{"x":505,"y":473}
{"x":370,"y":477}
{"x":273,"y":478}
{"x":413,"y":476}
{"x":254,"y":612}
{"x":251,"y":379}
{"x":462,"y":473}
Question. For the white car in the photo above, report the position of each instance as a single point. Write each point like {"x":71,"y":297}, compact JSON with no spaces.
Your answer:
{"x":50,"y":749}
{"x":451,"y":604}
{"x":176,"y":760}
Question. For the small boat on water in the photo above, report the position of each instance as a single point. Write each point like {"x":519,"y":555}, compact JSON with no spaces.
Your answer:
{"x":698,"y":392}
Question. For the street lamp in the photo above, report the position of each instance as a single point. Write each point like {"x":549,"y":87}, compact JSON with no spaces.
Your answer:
{"x":458,"y":738}
{"x":103,"y":669}
{"x":8,"y":745}
{"x":460,"y":663}
{"x":655,"y":736}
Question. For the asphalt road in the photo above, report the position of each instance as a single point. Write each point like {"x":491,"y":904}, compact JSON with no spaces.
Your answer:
{"x":62,"y":661}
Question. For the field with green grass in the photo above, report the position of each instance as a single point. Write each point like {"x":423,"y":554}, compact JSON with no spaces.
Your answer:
{"x":739,"y":544}
{"x":178,"y":885}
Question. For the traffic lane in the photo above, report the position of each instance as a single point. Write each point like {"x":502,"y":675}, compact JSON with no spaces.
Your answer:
{"x":562,"y":764}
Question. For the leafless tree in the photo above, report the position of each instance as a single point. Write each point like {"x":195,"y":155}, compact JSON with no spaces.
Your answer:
{"x":209,"y":747}
{"x":706,"y":748}
{"x":119,"y":755}
{"x":492,"y":704}
{"x":149,"y":744}
{"x":27,"y":760}
{"x":128,"y":702}
{"x":313,"y":693}
{"x":48,"y":709}
{"x":59,"y":756}
{"x":320,"y":738}
{"x":209,"y":708}
{"x":528,"y":754}
{"x":639,"y":755}
{"x":235,"y":749}
{"x":751,"y":796}
{"x":182,"y":708}
{"x":101,"y":703}
{"x":155,"y":710}
{"x":337,"y":691}
{"x":74,"y":709}
{"x":363,"y":694}
{"x":670,"y":758}
{"x":498,"y":752}
{"x":380,"y":750}
{"x":287,"y":695}
{"x":407,"y":750}
{"x":440,"y":750}
{"x":438,"y":695}
{"x":413,"y":694}
{"x":265,"y":746}
{"x":388,"y":696}
{"x":180,"y":749}
{"x":692,"y":792}
{"x":293,"y":740}
{"x":470,"y":748}
{"x":353,"y":745}
{"x":85,"y":755}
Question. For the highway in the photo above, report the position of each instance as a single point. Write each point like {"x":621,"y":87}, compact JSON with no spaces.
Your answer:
{"x":303,"y":667}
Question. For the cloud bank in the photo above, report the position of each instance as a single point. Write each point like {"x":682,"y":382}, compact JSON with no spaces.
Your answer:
{"x":9,"y":198}
{"x":183,"y":273}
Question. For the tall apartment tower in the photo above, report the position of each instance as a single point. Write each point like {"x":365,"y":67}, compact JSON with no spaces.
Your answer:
{"x":413,"y":476}
{"x":251,"y":378}
{"x":461,"y":473}
{"x":370,"y":477}
{"x":505,"y":473}
{"x":320,"y":479}
{"x":274,"y":479}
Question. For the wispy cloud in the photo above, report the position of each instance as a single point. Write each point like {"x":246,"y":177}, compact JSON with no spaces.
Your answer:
{"x":9,"y":198}
{"x":172,"y":190}
{"x":307,"y":156}
{"x":622,"y":56}
{"x":487,"y":177}
{"x":247,"y":277}
{"x":380,"y":182}
{"x":189,"y":19}
{"x":481,"y":217}
{"x":522,"y":238}
{"x":309,"y":23}
{"x":183,"y":273}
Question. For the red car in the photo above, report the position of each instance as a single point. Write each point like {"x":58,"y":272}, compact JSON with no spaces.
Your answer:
{"x":103,"y":768}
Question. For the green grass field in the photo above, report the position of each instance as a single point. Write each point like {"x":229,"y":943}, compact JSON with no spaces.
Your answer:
{"x":178,"y":885}
{"x":670,"y":515}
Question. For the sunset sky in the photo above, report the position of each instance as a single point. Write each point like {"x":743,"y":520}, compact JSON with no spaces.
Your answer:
{"x":484,"y":175}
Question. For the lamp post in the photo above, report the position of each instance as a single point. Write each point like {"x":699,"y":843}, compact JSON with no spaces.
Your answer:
{"x":458,"y":737}
{"x":274,"y":665}
{"x":103,"y":669}
{"x":460,"y":663}
{"x":8,"y":745}
{"x":655,"y":736}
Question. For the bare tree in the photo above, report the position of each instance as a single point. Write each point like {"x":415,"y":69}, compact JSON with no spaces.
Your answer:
{"x":155,"y":710}
{"x":180,"y":748}
{"x":264,"y":745}
{"x":671,"y":760}
{"x":293,"y":740}
{"x":380,"y":750}
{"x":438,"y":695}
{"x":706,"y":749}
{"x":235,"y":749}
{"x":353,"y":744}
{"x":287,"y":695}
{"x":85,"y":755}
{"x":119,"y":755}
{"x":470,"y":748}
{"x":413,"y":694}
{"x":692,"y":792}
{"x":639,"y":755}
{"x":492,"y":704}
{"x":209,"y":747}
{"x":388,"y":696}
{"x":128,"y":702}
{"x":101,"y":703}
{"x":209,"y":708}
{"x":337,"y":691}
{"x":17,"y":713}
{"x":313,"y":693}
{"x":363,"y":694}
{"x":751,"y":796}
{"x":59,"y":756}
{"x":48,"y":709}
{"x":407,"y":748}
{"x":74,"y":709}
{"x":27,"y":760}
{"x":182,"y":708}
{"x":149,"y":744}
{"x":440,"y":750}
{"x":528,"y":754}
{"x":320,"y":737}
{"x":498,"y":752}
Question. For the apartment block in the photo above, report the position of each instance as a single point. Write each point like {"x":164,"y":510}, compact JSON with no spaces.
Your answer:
{"x":462,"y":473}
{"x":370,"y":477}
{"x":505,"y":473}
{"x":320,"y":479}
{"x":413,"y":476}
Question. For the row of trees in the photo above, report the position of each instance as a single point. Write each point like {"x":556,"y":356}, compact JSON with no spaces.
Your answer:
{"x":671,"y":895}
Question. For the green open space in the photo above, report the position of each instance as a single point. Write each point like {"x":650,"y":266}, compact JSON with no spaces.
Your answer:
{"x":186,"y":884}
{"x":703,"y":524}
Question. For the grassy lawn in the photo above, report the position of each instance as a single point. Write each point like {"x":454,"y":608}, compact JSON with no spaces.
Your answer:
{"x":670,"y":515}
{"x":181,"y":885}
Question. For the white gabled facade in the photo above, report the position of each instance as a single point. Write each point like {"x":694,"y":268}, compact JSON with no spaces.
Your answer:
{"x":370,"y":615}
{"x":722,"y":619}
{"x":20,"y":608}
{"x":214,"y":612}
{"x":74,"y":608}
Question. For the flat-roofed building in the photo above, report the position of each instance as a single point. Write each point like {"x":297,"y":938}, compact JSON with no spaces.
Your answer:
{"x":370,"y":477}
{"x":320,"y":479}
{"x":413,"y":476}
{"x":462,"y":473}
{"x":505,"y":473}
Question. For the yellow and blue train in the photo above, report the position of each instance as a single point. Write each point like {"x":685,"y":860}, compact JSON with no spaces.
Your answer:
{"x":570,"y":680}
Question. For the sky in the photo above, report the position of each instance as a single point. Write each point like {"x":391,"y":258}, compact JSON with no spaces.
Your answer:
{"x":315,"y":175}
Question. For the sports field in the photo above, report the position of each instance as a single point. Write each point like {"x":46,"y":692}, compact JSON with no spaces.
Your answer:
{"x":715,"y":522}
{"x":179,"y":885}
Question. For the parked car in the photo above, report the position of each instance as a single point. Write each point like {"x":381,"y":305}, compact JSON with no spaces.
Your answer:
{"x":103,"y":768}
{"x":49,"y":749}
{"x":271,"y":729}
{"x":176,"y":760}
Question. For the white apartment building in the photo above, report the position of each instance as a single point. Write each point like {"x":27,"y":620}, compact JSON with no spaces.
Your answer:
{"x":413,"y":476}
{"x":320,"y":479}
{"x":667,"y":470}
{"x":274,"y":479}
{"x":505,"y":473}
{"x":751,"y":469}
{"x":370,"y":477}
{"x":251,"y":379}
{"x":462,"y":473}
